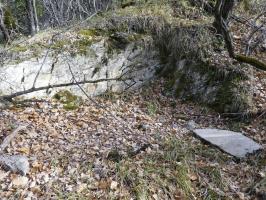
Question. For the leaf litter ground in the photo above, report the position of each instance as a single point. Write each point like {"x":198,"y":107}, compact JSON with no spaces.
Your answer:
{"x":145,"y":152}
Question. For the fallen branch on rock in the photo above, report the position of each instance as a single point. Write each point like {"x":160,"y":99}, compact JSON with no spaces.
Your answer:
{"x":15,"y":163}
{"x":33,"y":89}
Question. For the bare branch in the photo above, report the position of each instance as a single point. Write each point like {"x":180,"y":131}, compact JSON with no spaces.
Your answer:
{"x":20,"y":93}
{"x":8,"y":139}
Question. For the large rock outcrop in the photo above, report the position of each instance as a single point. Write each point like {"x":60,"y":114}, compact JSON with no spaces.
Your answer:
{"x":90,"y":55}
{"x":138,"y":42}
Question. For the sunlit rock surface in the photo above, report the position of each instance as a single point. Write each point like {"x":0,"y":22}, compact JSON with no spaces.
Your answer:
{"x":132,"y":65}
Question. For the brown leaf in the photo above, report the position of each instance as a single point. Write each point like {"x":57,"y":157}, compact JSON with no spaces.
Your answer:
{"x":24,"y":150}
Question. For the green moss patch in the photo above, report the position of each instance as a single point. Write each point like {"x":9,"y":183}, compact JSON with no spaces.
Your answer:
{"x":89,"y":32}
{"x":69,"y":100}
{"x":19,"y":48}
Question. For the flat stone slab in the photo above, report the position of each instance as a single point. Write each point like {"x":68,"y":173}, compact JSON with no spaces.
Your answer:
{"x":230,"y":142}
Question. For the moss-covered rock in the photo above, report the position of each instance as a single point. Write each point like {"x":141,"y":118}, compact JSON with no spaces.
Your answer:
{"x":69,"y":100}
{"x":117,"y":42}
{"x":222,"y":89}
{"x":185,"y":42}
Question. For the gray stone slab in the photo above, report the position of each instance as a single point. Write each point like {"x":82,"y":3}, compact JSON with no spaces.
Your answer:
{"x":231,"y":142}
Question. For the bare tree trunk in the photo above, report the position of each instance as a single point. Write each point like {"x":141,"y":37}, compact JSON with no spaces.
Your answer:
{"x":223,"y":9}
{"x":32,"y":16}
{"x":2,"y":25}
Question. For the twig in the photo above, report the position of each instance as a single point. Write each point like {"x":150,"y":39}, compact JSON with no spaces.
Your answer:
{"x":250,"y":38}
{"x":125,"y":124}
{"x":8,"y":139}
{"x":40,"y":69}
{"x":83,"y":91}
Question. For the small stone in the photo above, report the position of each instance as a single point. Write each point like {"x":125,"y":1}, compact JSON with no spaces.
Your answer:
{"x":45,"y":178}
{"x":81,"y":187}
{"x":241,"y":195}
{"x":143,"y":127}
{"x":20,"y":181}
{"x":155,"y":197}
{"x":231,"y":142}
{"x":72,"y":171}
{"x":3,"y":105}
{"x":113,"y":185}
{"x":3,"y":175}
{"x":32,"y":184}
{"x":29,"y":110}
{"x":69,"y":188}
{"x":15,"y":163}
{"x":191,"y":125}
{"x":262,"y":174}
{"x":29,"y":196}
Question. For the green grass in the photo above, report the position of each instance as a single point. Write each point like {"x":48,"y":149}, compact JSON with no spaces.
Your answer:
{"x":165,"y":173}
{"x":152,"y":108}
{"x":19,"y":48}
{"x":169,"y":171}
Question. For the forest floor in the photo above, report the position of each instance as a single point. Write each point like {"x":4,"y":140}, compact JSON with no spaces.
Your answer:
{"x":135,"y":145}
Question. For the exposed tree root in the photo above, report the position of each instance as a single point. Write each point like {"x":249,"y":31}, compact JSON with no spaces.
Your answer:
{"x":252,"y":61}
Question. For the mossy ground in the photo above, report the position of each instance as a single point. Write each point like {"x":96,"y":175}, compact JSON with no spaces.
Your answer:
{"x":19,"y":48}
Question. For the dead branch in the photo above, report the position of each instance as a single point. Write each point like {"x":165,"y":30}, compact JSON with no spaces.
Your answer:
{"x":61,"y":12}
{"x":250,"y":39}
{"x":8,"y":139}
{"x":20,"y":93}
{"x":252,"y":61}
{"x":124,"y":123}
{"x":220,"y":24}
{"x":204,"y":4}
{"x":83,"y":91}
{"x":40,"y":69}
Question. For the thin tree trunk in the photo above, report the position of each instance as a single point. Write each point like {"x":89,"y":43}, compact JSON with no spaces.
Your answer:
{"x":2,"y":25}
{"x":36,"y":21}
{"x":223,"y":10}
{"x":32,"y":16}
